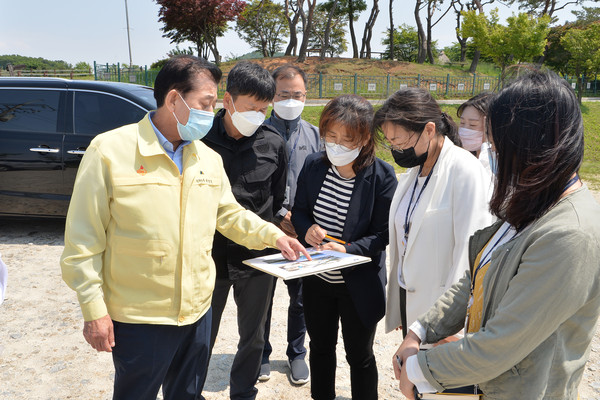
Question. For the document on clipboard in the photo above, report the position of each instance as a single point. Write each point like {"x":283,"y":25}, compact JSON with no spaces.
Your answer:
{"x":322,"y":261}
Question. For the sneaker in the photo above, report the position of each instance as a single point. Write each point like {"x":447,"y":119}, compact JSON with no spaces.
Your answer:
{"x":265,"y":372}
{"x":299,"y":371}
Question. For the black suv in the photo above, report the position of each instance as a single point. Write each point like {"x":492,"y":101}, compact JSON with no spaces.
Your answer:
{"x":45,"y":126}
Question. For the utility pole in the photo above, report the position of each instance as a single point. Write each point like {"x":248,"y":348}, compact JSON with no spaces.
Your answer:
{"x":128,"y":38}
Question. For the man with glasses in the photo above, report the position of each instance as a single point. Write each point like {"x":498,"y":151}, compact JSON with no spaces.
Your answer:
{"x":302,"y":140}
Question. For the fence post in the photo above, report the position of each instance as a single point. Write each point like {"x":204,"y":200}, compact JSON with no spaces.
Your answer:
{"x":474,"y":83}
{"x":95,"y":72}
{"x":387,"y":87}
{"x":320,"y":85}
{"x":447,"y":84}
{"x":595,"y":83}
{"x":419,"y":80}
{"x":118,"y":72}
{"x":355,"y":78}
{"x":146,"y":75}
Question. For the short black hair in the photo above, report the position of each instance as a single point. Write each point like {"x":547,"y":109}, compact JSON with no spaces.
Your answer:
{"x":178,"y":73}
{"x":537,"y":128}
{"x":250,"y":79}
{"x":289,"y":71}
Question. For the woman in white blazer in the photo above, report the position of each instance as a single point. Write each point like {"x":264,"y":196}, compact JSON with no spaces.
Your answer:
{"x":439,"y":203}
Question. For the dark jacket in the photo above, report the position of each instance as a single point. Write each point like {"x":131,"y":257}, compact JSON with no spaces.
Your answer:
{"x":302,"y":139}
{"x":256,"y":167}
{"x":365,"y":230}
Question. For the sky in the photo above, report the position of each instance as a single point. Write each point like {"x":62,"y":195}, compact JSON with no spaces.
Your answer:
{"x":84,"y":30}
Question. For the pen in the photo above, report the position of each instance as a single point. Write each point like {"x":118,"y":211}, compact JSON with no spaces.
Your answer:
{"x":335,"y":240}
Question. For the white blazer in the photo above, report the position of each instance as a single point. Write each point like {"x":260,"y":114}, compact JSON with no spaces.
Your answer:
{"x":452,"y":207}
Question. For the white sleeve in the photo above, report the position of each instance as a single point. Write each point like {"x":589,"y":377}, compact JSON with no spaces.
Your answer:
{"x":415,"y":375}
{"x":418,"y":330}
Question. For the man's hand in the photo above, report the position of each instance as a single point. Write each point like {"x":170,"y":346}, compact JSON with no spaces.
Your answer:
{"x":286,"y":225}
{"x":291,"y":248}
{"x":100,"y":333}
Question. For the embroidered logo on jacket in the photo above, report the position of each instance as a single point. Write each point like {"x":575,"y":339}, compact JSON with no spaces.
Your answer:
{"x":141,"y":170}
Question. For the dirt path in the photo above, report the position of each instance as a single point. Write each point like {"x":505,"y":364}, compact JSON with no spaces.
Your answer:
{"x":43,"y":354}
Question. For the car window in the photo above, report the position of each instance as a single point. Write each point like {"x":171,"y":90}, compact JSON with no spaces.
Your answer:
{"x":97,"y":112}
{"x":29,"y":110}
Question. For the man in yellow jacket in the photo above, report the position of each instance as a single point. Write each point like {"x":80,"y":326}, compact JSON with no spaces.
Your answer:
{"x":147,"y":200}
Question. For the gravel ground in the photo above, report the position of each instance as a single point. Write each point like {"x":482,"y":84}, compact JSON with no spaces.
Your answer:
{"x":43,"y":354}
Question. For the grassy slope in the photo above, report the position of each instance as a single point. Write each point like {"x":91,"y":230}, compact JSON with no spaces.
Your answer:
{"x":349,"y":66}
{"x":590,"y":170}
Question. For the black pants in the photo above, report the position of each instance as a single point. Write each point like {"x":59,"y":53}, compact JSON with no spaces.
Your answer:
{"x":251,"y":297}
{"x":325,"y":304}
{"x":148,"y":356}
{"x":296,"y":327}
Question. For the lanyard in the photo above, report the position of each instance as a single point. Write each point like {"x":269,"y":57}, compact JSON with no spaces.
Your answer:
{"x":487,"y":257}
{"x":571,"y":182}
{"x":409,"y":212}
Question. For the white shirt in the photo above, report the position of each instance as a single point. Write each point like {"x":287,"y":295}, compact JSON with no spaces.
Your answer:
{"x":3,"y":279}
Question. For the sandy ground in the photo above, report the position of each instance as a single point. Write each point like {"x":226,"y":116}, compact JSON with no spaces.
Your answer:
{"x":43,"y":354}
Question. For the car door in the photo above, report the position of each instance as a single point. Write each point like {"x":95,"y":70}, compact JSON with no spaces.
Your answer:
{"x":31,"y":134}
{"x":93,"y":113}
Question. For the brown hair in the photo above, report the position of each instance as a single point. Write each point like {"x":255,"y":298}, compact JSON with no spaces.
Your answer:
{"x":355,"y":113}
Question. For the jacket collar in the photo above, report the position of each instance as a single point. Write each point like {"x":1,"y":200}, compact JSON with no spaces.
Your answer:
{"x":283,"y":126}
{"x":423,"y":205}
{"x":148,"y":143}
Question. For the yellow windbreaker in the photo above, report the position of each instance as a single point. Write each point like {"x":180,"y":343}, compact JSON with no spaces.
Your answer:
{"x":138,"y":233}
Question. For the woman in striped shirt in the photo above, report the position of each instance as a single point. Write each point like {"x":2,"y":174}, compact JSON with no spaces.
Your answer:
{"x":345,"y":193}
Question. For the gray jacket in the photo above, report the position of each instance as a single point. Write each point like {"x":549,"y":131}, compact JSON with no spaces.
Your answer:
{"x":302,"y":140}
{"x":540,"y":307}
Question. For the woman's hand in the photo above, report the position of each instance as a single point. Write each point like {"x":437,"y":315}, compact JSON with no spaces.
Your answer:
{"x":409,"y":347}
{"x":334,"y":246}
{"x":315,"y":235}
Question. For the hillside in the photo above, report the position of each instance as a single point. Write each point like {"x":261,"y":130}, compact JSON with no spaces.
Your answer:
{"x":364,"y":67}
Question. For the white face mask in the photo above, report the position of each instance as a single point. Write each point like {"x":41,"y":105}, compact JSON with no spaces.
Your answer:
{"x":246,"y":122}
{"x":341,"y":155}
{"x":471,"y":139}
{"x":289,"y":109}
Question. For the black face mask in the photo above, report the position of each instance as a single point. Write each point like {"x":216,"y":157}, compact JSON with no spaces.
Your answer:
{"x":408,"y":158}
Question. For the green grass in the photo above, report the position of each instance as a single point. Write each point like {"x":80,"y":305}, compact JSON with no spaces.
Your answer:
{"x":590,"y":170}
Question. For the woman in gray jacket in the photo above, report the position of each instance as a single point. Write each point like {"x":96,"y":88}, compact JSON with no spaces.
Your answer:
{"x":530,"y":301}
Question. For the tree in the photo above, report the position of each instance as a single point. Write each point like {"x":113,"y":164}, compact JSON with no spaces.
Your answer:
{"x":199,"y":21}
{"x":263,"y":26}
{"x":583,"y":46}
{"x":351,"y":9}
{"x":295,"y":6}
{"x":307,"y":28}
{"x":337,"y":35}
{"x":391,"y":43}
{"x":365,"y":49}
{"x":544,"y":7}
{"x":522,"y":39}
{"x":82,"y":65}
{"x":422,"y":53}
{"x":432,"y":6}
{"x":406,"y":43}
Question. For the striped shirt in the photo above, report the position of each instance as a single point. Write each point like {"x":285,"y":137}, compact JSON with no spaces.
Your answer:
{"x":330,"y":212}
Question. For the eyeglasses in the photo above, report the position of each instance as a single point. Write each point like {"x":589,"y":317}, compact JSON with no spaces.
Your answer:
{"x":400,"y":147}
{"x":285,"y":95}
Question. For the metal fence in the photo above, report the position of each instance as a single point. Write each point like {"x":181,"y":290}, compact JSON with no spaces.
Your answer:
{"x":325,"y":86}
